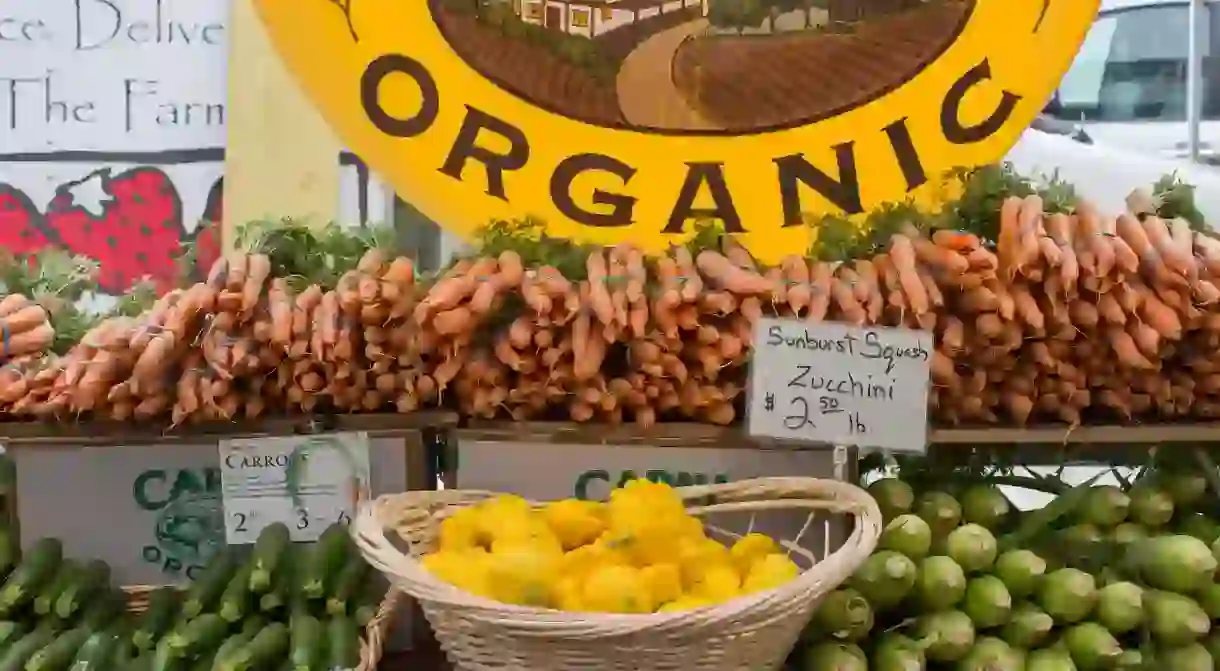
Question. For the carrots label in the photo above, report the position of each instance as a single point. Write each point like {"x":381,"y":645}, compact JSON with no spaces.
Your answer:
{"x":627,"y":120}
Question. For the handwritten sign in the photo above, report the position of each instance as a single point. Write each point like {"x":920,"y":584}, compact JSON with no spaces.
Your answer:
{"x":305,"y":482}
{"x":838,"y":384}
{"x":112,"y":75}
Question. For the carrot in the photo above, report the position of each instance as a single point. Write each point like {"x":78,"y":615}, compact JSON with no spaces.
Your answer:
{"x":1060,"y":229}
{"x":902,"y":253}
{"x":1008,"y":241}
{"x":979,"y":299}
{"x":1029,"y":223}
{"x":929,"y":253}
{"x":155,"y":358}
{"x":599,"y":296}
{"x":717,"y":268}
{"x":957,"y":241}
{"x":821,"y":276}
{"x":1160,"y":317}
{"x":692,"y":283}
{"x":452,"y":322}
{"x":259,"y":269}
{"x":1145,"y":338}
{"x":1125,"y":349}
{"x":1027,"y":308}
{"x":589,"y":363}
{"x":845,"y":300}
{"x":953,"y":334}
{"x":799,"y":292}
{"x":33,"y":340}
{"x":23,"y":320}
{"x":1176,"y":258}
{"x":12,"y":303}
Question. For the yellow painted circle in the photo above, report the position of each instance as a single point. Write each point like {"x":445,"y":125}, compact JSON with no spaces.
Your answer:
{"x":996,"y":68}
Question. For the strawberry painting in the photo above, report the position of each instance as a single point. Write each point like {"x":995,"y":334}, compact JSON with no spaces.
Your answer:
{"x":129,"y":222}
{"x":21,"y":229}
{"x":206,"y":238}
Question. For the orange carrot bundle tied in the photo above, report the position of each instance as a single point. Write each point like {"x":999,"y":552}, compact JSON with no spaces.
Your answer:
{"x":1048,"y":313}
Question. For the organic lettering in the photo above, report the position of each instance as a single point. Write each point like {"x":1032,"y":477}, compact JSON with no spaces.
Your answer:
{"x":698,"y":175}
{"x":466,"y":148}
{"x":621,"y":206}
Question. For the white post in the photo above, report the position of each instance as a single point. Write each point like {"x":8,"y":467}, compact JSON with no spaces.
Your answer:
{"x":1194,"y":78}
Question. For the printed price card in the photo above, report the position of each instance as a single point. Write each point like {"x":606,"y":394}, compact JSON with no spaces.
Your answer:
{"x":306,"y":482}
{"x":839,"y":384}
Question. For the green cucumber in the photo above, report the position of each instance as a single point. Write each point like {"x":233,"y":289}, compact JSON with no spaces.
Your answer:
{"x":38,"y":567}
{"x":254,"y":624}
{"x":144,"y":662}
{"x":308,"y":643}
{"x":203,"y":594}
{"x":93,"y":577}
{"x":282,"y":582}
{"x":59,"y":653}
{"x":326,"y":558}
{"x":266,"y":648}
{"x":157,"y":618}
{"x":104,"y":610}
{"x":190,"y":639}
{"x":10,"y":632}
{"x":44,"y":601}
{"x":15,"y":657}
{"x":269,"y":550}
{"x":231,"y":645}
{"x":342,"y":644}
{"x":369,"y":601}
{"x":10,"y":550}
{"x":348,"y":586}
{"x":97,"y":652}
{"x":235,"y":600}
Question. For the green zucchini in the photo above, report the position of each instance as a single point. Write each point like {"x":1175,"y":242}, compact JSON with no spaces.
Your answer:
{"x":44,"y":601}
{"x":372,"y":593}
{"x":144,"y":662}
{"x":104,"y":610}
{"x":348,"y":586}
{"x":37,"y":569}
{"x":254,"y":624}
{"x":94,"y":577}
{"x":269,"y":550}
{"x":211,"y":583}
{"x":10,"y":631}
{"x":10,"y":550}
{"x":283,"y":582}
{"x":231,"y":645}
{"x":157,"y":618}
{"x":308,"y":643}
{"x":235,"y":600}
{"x":266,"y":648}
{"x":97,"y":652}
{"x":15,"y":657}
{"x":187,"y":640}
{"x":59,"y":653}
{"x":342,"y":644}
{"x":326,"y":558}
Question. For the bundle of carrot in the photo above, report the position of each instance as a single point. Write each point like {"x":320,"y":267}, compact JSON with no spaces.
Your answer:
{"x":1043,"y":310}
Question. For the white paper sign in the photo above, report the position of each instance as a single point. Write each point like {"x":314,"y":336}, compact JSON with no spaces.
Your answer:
{"x":306,"y":482}
{"x":838,"y":384}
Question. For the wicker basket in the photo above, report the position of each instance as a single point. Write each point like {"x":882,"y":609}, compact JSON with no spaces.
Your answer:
{"x":371,"y":643}
{"x":753,"y":633}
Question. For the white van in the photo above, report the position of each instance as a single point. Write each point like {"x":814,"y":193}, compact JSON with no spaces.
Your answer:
{"x":1127,"y":86}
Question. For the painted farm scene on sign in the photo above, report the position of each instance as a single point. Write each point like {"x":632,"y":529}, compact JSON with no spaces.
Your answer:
{"x":700,"y":65}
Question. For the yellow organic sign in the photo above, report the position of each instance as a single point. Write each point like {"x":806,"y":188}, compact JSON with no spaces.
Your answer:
{"x":627,"y":120}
